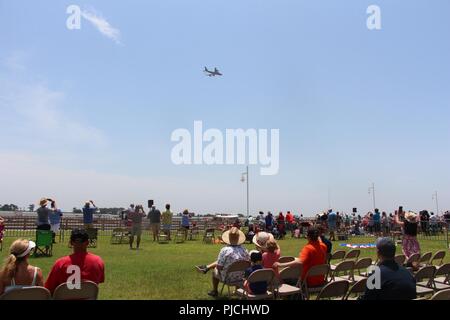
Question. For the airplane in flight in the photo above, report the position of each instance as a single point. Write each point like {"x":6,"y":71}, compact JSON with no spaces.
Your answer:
{"x":212,"y":73}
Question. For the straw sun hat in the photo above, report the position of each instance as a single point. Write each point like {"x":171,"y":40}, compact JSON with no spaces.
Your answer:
{"x":233,"y":237}
{"x":43,"y":202}
{"x":411,"y":216}
{"x":260,"y":239}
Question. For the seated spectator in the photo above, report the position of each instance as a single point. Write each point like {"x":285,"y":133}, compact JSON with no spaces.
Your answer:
{"x":271,"y":253}
{"x":16,"y":272}
{"x":91,"y":266}
{"x":397,"y":283}
{"x":256,"y":287}
{"x":260,"y":240}
{"x":233,"y":252}
{"x":313,"y":253}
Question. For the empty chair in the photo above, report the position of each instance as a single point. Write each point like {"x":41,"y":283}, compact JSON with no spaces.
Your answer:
{"x":335,"y":289}
{"x":441,"y":279}
{"x":442,"y":295}
{"x":357,"y":289}
{"x":237,"y":266}
{"x":361,"y":268}
{"x":353,"y":254}
{"x":27,"y":293}
{"x":424,"y":280}
{"x":438,"y":258}
{"x":289,"y":281}
{"x":338,"y":255}
{"x":88,"y":291}
{"x":345,"y":267}
{"x":400,"y":259}
{"x":314,"y":271}
{"x":425,"y":259}
{"x":286,"y":259}
{"x":262,"y":275}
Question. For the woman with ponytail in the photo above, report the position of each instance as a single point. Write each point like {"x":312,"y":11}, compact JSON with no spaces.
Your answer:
{"x":16,"y":272}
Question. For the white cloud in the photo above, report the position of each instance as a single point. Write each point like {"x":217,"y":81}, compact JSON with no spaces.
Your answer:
{"x":14,"y":61}
{"x":102,"y":25}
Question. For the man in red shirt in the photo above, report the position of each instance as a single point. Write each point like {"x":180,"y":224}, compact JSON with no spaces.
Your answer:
{"x":91,"y":266}
{"x":313,"y":253}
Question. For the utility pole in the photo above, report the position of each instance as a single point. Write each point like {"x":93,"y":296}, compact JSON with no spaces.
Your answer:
{"x":372,"y":190}
{"x":244,"y":178}
{"x":435,"y":197}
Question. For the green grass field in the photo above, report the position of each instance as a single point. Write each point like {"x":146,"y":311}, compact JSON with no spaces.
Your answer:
{"x":166,"y":271}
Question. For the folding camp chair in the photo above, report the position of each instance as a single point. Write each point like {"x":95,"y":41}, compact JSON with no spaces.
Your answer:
{"x":424,"y":281}
{"x":352,"y":254}
{"x":438,"y":257}
{"x":346,"y":267}
{"x":87,"y":291}
{"x":44,"y":243}
{"x":317,"y":270}
{"x":357,"y":289}
{"x":334,"y":289}
{"x":361,"y":267}
{"x":289,"y":285}
{"x":262,"y":275}
{"x":442,"y":295}
{"x":209,"y":235}
{"x":27,"y":293}
{"x":237,"y":266}
{"x":441,"y":279}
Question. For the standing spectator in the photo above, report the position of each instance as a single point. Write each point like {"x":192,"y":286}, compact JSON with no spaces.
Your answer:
{"x":91,"y":266}
{"x":397,"y":283}
{"x":434,"y":225}
{"x":281,"y":225}
{"x":167,"y":221}
{"x":289,"y":221}
{"x":313,"y":253}
{"x":446,"y":218}
{"x":332,"y":219}
{"x":55,"y":222}
{"x":185,"y":223}
{"x":155,"y":222}
{"x":16,"y":271}
{"x":43,"y":213}
{"x":377,"y":222}
{"x":136,"y":225}
{"x":269,"y":222}
{"x":234,"y":238}
{"x":385,"y":224}
{"x":371,"y":224}
{"x":88,"y":214}
{"x":410,"y":244}
{"x":424,"y":221}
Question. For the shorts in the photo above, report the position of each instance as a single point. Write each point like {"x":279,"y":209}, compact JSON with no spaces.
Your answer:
{"x":155,"y":227}
{"x":136,"y":230}
{"x":55,"y":227}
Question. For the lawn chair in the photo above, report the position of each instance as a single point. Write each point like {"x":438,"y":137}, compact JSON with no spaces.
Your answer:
{"x":180,"y":235}
{"x":400,"y":259}
{"x":442,"y":295}
{"x":439,"y":257}
{"x":289,"y":278}
{"x":88,"y":291}
{"x":338,"y":255}
{"x":357,"y":289}
{"x":237,"y":266}
{"x":425,"y":259}
{"x":27,"y":293}
{"x":163,"y":238}
{"x":318,"y":270}
{"x":335,"y":289}
{"x":424,"y":281}
{"x":286,"y":259}
{"x":346,"y":267}
{"x":262,"y":275}
{"x":441,"y":279}
{"x":119,"y":236}
{"x":209,"y":236}
{"x":361,"y":264}
{"x":352,"y":254}
{"x":44,"y":243}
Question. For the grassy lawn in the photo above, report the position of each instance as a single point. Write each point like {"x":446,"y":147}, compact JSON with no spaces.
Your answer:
{"x":166,"y":271}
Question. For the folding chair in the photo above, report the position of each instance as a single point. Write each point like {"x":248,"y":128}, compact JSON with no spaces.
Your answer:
{"x":441,"y":279}
{"x":338,"y":255}
{"x":44,"y":243}
{"x":289,"y":285}
{"x":27,"y":293}
{"x":424,"y":281}
{"x":361,"y":264}
{"x":180,"y":235}
{"x":400,"y":259}
{"x":286,"y":259}
{"x":194,"y":233}
{"x":318,"y":270}
{"x":237,"y":266}
{"x":346,"y":267}
{"x":88,"y":291}
{"x":439,"y":257}
{"x":425,"y":259}
{"x":209,"y":236}
{"x":352,"y":254}
{"x":334,"y":289}
{"x":442,"y":295}
{"x":262,"y":275}
{"x":413,"y":260}
{"x":357,"y":289}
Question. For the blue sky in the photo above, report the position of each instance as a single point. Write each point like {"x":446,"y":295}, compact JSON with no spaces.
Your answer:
{"x":88,"y":114}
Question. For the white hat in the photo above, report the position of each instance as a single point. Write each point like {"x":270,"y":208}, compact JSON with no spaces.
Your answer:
{"x":31,"y":246}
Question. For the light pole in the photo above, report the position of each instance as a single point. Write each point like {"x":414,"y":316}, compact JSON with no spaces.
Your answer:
{"x":372,"y":190}
{"x":244,"y":178}
{"x":435,"y":197}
